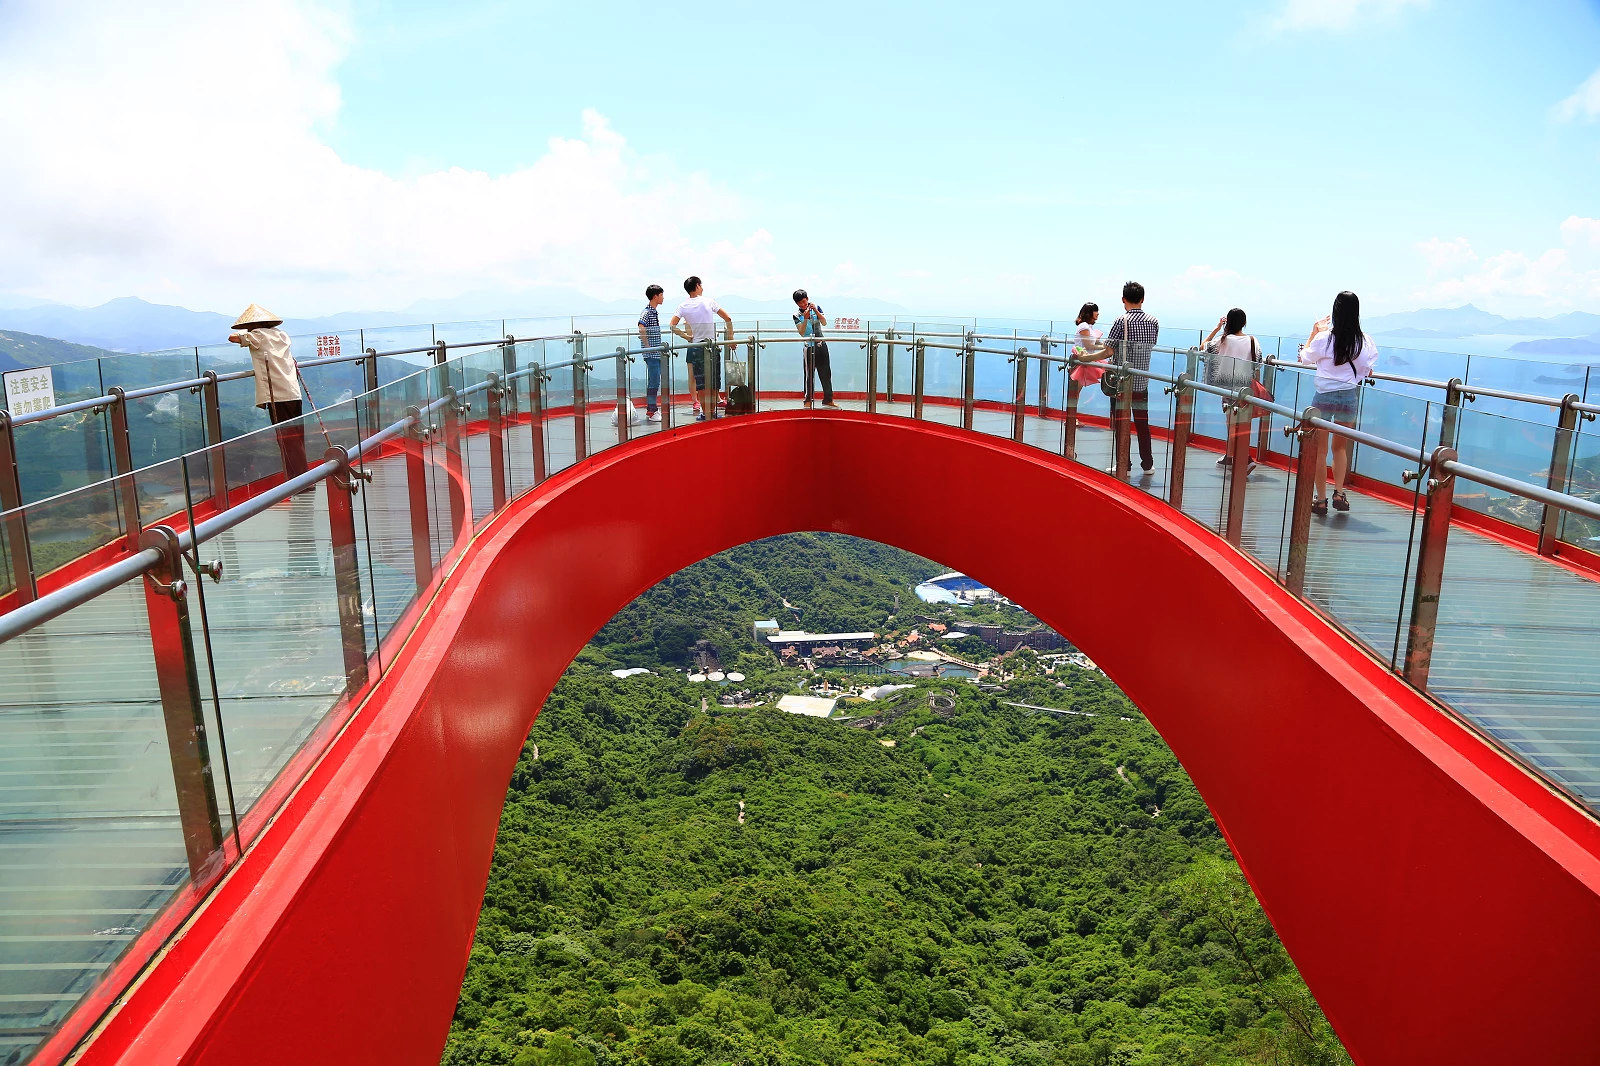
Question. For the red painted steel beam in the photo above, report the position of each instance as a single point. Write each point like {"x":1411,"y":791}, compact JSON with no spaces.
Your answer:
{"x":1442,"y":904}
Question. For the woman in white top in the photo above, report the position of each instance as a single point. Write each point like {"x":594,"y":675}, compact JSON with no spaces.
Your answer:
{"x":1089,"y":342}
{"x":1344,"y":357}
{"x":1232,"y":363}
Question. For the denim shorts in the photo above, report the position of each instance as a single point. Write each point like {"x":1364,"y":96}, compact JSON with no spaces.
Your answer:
{"x":1340,"y":406}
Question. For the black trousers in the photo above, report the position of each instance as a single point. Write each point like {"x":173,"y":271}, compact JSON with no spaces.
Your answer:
{"x":818,"y":365}
{"x":285,"y":414}
{"x":1141,"y":426}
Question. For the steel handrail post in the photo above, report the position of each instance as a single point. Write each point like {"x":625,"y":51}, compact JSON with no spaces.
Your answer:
{"x":508,"y":377}
{"x":872,"y":374}
{"x":1425,"y":588}
{"x":217,"y":460}
{"x":1240,"y":412}
{"x":751,"y":349}
{"x":122,"y":456}
{"x":969,"y":378}
{"x":664,"y":397}
{"x":1121,"y":425}
{"x":1560,"y":470}
{"x":919,"y":366}
{"x":497,"y":439}
{"x":888,"y":365}
{"x":22,"y":576}
{"x":415,"y":445}
{"x":341,"y":489}
{"x":1044,"y":377}
{"x":1450,"y":417}
{"x":1269,"y":378}
{"x":536,"y":379}
{"x":580,"y":411}
{"x":166,"y":597}
{"x":1069,"y":412}
{"x":1019,"y":395}
{"x":459,"y":490}
{"x":1312,"y":449}
{"x":1182,"y":430}
{"x":624,"y":408}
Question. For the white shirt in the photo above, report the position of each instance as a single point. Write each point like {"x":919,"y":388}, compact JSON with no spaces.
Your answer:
{"x":700,"y":313}
{"x":1092,"y":339}
{"x":1330,"y":376}
{"x":276,"y":379}
{"x":1234,"y":369}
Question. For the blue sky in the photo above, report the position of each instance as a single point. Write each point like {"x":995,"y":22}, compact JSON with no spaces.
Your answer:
{"x":1005,"y":159}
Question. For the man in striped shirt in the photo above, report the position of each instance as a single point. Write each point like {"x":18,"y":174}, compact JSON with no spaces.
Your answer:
{"x":1131,"y":338}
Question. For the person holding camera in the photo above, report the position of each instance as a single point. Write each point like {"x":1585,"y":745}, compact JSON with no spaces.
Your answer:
{"x":809,"y":320}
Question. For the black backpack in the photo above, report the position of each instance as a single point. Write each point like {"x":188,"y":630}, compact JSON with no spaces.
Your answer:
{"x":741,"y":401}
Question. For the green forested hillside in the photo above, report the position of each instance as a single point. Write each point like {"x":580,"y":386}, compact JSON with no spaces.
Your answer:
{"x":26,"y":349}
{"x":834,"y":584}
{"x":1000,"y":886}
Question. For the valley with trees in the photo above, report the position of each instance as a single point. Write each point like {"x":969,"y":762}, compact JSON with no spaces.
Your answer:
{"x":963,"y":881}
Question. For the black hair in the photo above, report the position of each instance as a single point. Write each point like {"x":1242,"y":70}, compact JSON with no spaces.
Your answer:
{"x":1085,"y":312}
{"x":690,"y":284}
{"x":1347,"y":338}
{"x":652,"y":291}
{"x":1133,"y":292}
{"x":1235,"y":322}
{"x":800,"y":294}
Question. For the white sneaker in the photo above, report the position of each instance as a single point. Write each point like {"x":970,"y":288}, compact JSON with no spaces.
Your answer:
{"x":653,"y":416}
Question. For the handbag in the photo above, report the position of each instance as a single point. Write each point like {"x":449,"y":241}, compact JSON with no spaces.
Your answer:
{"x":1257,"y":388}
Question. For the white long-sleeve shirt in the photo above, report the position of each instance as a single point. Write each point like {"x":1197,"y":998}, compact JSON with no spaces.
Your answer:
{"x":1331,"y":377}
{"x":276,"y":380}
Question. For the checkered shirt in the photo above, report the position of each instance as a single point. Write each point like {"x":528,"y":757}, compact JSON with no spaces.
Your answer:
{"x":1139,"y":330}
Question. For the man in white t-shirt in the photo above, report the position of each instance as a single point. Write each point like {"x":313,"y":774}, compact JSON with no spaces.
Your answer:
{"x":699,"y":313}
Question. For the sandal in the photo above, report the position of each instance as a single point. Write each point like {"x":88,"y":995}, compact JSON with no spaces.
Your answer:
{"x":1340,"y":501}
{"x":1319,"y":508}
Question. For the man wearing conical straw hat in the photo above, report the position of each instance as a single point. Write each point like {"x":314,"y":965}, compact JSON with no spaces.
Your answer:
{"x":277,"y":381}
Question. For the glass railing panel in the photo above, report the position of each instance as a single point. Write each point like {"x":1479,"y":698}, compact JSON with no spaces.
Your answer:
{"x":271,"y":642}
{"x":149,"y":368}
{"x":1513,"y":652}
{"x":1550,"y":380}
{"x":520,"y":398}
{"x":605,"y":407}
{"x":1508,"y":446}
{"x":160,"y":429}
{"x":389,"y":562}
{"x":1393,"y":416}
{"x":62,"y":529}
{"x":481,"y":329}
{"x":60,"y":454}
{"x":942,"y":371}
{"x":847,"y":361}
{"x":400,"y":338}
{"x":334,"y":383}
{"x":1419,"y":364}
{"x":560,"y":443}
{"x":1583,"y":480}
{"x":470,"y":374}
{"x":1360,"y":561}
{"x":994,"y":383}
{"x":780,"y":367}
{"x":89,"y":830}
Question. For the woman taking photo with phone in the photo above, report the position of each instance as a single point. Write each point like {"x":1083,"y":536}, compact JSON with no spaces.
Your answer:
{"x":1232,"y":362}
{"x":1344,"y":357}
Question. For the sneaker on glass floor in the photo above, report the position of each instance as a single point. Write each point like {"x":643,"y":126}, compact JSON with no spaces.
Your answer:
{"x":653,"y":416}
{"x":1222,"y":460}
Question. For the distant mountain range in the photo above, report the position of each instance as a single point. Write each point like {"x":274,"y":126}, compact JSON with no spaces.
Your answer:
{"x":1470,"y":321}
{"x":129,"y":324}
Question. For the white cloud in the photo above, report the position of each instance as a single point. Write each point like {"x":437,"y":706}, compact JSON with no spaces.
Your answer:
{"x":1584,"y":103}
{"x":1338,"y":14}
{"x":1557,"y":279}
{"x":172,"y":149}
{"x":1443,"y":256}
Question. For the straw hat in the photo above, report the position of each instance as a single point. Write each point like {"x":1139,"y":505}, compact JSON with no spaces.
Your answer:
{"x":256,"y":315}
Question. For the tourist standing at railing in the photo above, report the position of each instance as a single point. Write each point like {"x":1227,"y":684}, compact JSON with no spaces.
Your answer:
{"x":1131,"y":337}
{"x":1232,"y":363}
{"x":277,"y":381}
{"x":809,"y":320}
{"x":650,"y":344}
{"x":699,"y":313}
{"x":1344,"y":357}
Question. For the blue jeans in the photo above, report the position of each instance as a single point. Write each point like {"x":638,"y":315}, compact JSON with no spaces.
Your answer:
{"x":652,"y":388}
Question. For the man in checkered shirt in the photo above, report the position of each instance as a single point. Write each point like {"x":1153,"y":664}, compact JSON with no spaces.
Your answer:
{"x":1131,"y":337}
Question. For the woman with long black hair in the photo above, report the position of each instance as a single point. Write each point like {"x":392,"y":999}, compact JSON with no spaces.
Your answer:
{"x":1344,"y":357}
